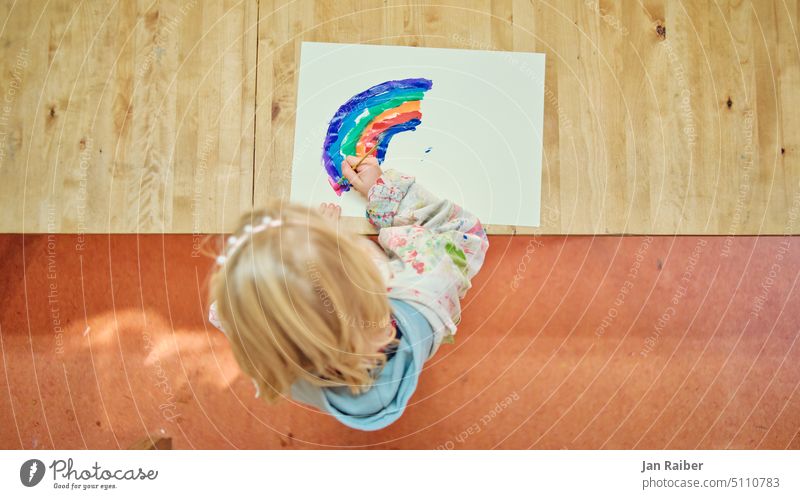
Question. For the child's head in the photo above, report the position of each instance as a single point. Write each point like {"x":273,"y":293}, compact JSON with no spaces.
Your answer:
{"x":300,"y":298}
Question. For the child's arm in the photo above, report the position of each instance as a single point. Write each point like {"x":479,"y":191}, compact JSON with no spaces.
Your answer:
{"x":397,"y":201}
{"x":441,"y":246}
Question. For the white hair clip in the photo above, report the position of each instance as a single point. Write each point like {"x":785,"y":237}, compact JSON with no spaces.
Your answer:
{"x":234,"y":243}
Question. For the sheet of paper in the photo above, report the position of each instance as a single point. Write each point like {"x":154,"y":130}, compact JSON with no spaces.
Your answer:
{"x":479,"y":137}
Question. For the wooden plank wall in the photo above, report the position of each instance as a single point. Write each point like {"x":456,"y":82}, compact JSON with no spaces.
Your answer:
{"x":661,"y":117}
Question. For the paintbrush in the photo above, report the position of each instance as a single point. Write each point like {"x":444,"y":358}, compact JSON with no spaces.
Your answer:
{"x":377,"y":141}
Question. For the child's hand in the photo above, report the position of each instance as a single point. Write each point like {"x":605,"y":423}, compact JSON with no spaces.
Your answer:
{"x":368,"y":172}
{"x":330,"y":211}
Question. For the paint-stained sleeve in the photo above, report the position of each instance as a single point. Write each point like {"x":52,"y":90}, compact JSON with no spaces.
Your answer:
{"x":441,"y":245}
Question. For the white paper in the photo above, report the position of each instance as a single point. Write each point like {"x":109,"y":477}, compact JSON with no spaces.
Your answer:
{"x":481,"y":122}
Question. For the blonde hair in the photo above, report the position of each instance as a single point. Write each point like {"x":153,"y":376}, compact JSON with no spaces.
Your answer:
{"x":302,"y":299}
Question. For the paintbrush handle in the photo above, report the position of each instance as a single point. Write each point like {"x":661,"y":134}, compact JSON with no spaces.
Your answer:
{"x":366,"y":155}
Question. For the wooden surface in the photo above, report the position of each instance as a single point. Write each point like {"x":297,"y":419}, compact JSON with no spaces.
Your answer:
{"x":132,"y":116}
{"x":661,"y":117}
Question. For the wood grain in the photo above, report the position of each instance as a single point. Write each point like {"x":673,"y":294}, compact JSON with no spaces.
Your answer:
{"x":132,"y":116}
{"x":660,"y":117}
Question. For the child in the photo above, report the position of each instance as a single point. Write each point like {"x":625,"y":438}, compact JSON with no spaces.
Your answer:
{"x":326,"y":317}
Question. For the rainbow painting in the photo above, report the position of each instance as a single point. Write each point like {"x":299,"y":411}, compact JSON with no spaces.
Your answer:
{"x":368,"y":119}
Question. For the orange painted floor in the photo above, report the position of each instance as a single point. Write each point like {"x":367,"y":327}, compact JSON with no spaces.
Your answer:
{"x":574,"y":342}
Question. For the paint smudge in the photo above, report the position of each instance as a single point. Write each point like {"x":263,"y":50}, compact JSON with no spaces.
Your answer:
{"x":371,"y":118}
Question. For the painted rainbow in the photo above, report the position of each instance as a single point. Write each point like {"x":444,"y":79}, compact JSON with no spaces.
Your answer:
{"x":373,"y":116}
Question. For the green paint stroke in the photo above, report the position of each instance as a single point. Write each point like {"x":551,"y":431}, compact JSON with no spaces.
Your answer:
{"x":457,"y":255}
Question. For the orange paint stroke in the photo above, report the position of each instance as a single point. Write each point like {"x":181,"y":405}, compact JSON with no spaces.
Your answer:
{"x":383,"y":121}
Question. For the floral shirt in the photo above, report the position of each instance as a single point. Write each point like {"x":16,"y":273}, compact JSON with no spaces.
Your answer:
{"x":434,"y":247}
